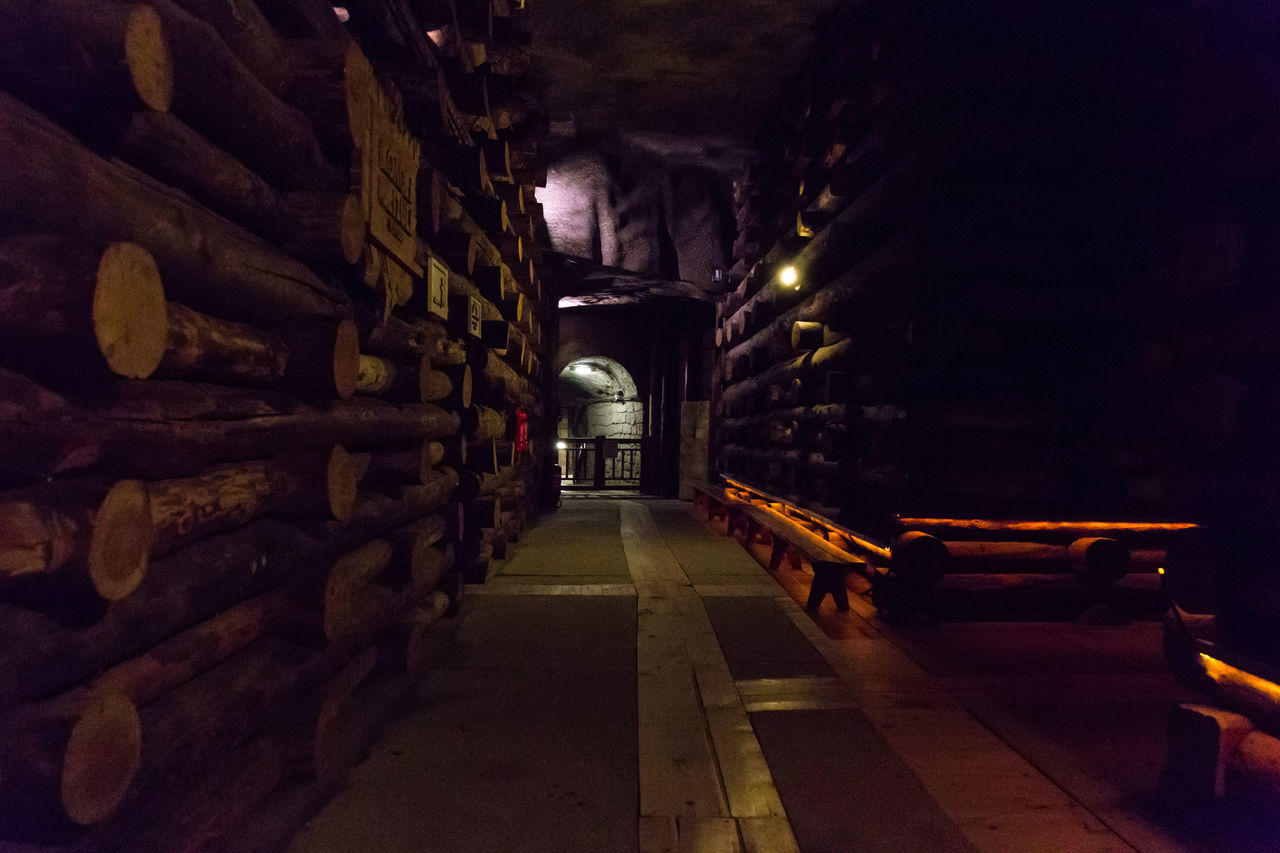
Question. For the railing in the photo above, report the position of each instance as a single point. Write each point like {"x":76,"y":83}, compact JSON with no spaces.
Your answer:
{"x":599,"y":463}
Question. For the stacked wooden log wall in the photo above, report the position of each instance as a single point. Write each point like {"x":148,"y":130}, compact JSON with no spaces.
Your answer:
{"x":1220,"y":359}
{"x":271,"y":311}
{"x":971,"y":195}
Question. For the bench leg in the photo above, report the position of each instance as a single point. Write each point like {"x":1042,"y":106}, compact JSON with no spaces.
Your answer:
{"x":828,"y":579}
{"x":796,"y":559}
{"x":777,"y":552}
{"x":716,"y":510}
{"x":816,"y":594}
{"x":738,"y":521}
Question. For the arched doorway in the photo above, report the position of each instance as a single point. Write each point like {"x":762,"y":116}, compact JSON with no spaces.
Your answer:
{"x":602,"y":421}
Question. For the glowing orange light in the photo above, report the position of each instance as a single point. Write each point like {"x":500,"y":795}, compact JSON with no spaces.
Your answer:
{"x":989,"y":524}
{"x":784,"y":508}
{"x":1159,"y":570}
{"x":1235,"y":680}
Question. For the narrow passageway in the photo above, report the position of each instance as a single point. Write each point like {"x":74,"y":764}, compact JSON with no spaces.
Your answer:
{"x":632,"y":679}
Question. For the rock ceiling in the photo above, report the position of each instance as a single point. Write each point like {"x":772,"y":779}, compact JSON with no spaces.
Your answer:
{"x":689,"y":83}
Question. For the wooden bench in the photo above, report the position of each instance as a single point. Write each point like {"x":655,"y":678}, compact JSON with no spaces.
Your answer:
{"x":715,"y":501}
{"x":830,"y":564}
{"x":789,"y":539}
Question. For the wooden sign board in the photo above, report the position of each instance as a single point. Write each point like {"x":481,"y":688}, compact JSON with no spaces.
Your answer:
{"x":475,"y":316}
{"x":385,"y":169}
{"x":437,"y":288}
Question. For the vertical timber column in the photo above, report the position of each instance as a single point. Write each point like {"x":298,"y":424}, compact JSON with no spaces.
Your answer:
{"x":597,"y":468}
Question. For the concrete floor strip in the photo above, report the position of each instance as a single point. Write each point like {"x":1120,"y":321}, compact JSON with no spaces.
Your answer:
{"x":593,"y":589}
{"x":699,"y":757}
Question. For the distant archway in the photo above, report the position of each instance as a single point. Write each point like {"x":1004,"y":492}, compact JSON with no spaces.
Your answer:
{"x":598,"y":397}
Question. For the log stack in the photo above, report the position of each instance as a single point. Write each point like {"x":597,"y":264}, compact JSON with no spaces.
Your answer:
{"x":941,"y":248}
{"x":243,"y":360}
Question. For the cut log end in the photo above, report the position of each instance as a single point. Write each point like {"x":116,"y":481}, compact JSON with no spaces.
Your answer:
{"x":130,"y":318}
{"x":102,"y":756}
{"x":465,"y":391}
{"x":1098,"y":559}
{"x":346,"y":359}
{"x":147,"y":56}
{"x":342,"y":476}
{"x":353,"y":227}
{"x":120,"y":548}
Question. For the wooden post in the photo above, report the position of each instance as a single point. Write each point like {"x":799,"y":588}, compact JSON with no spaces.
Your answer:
{"x":598,"y":465}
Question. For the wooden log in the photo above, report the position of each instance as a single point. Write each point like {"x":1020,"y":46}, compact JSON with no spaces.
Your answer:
{"x":307,"y":484}
{"x":416,"y":630}
{"x":348,"y":598}
{"x":1062,"y":532}
{"x":396,"y":381}
{"x":81,"y":61}
{"x":334,"y":85}
{"x":495,"y":377}
{"x":245,"y":118}
{"x":458,"y":397}
{"x":303,"y":19}
{"x":331,"y":228}
{"x":482,"y":513}
{"x":398,"y":338}
{"x":480,"y":423}
{"x":162,"y":429}
{"x":208,"y":263}
{"x":203,"y":817}
{"x":188,"y":731}
{"x":1094,"y":559}
{"x":458,"y":249}
{"x":39,"y":657}
{"x":489,"y":213}
{"x":806,"y":335}
{"x":250,"y":35}
{"x":165,"y":148}
{"x":411,"y":464}
{"x":93,"y":307}
{"x":185,"y":655}
{"x":101,"y":529}
{"x":315,"y":357}
{"x":66,"y":764}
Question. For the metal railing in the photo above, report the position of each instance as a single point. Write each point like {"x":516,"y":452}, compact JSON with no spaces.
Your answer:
{"x":599,"y":463}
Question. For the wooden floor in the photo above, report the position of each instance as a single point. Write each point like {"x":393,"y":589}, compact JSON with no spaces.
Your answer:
{"x":632,"y":679}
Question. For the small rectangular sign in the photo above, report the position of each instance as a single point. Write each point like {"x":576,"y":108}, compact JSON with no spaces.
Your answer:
{"x":437,"y":288}
{"x":475,"y":316}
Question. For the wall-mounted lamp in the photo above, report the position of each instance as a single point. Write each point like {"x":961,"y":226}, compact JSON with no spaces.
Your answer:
{"x":560,"y":445}
{"x":790,"y":277}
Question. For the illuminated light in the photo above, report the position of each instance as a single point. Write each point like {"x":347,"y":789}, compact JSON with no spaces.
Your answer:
{"x":582,"y":368}
{"x":437,"y":37}
{"x":342,"y":13}
{"x":989,"y":524}
{"x":560,"y":445}
{"x":865,"y":545}
{"x":1238,"y":681}
{"x":1159,"y":570}
{"x":790,"y":277}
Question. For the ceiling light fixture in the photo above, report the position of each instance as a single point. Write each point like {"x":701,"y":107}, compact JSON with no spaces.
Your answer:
{"x":790,"y":277}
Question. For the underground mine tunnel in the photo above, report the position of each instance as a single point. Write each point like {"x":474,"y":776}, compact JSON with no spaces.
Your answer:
{"x":659,"y":425}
